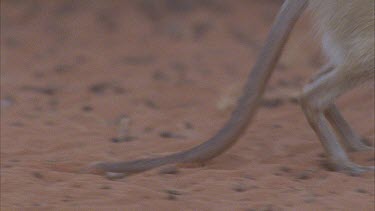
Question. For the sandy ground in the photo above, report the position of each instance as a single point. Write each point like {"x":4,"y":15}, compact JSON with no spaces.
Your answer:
{"x":72,"y":70}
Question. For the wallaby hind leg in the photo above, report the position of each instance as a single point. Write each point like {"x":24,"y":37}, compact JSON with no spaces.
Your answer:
{"x":349,"y":137}
{"x":316,"y":100}
{"x":352,"y":140}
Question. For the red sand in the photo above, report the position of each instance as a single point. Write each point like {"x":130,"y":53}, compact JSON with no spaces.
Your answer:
{"x":71,"y":69}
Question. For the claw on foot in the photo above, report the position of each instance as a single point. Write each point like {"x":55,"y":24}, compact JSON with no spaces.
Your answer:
{"x":361,"y":146}
{"x":352,"y":168}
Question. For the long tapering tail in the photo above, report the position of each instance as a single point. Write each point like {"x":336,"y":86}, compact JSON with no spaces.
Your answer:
{"x":245,"y":109}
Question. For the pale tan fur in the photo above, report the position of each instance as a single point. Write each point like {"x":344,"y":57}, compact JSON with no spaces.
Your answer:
{"x":347,"y":28}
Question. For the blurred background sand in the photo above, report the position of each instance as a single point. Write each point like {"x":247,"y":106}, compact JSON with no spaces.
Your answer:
{"x":71,"y":70}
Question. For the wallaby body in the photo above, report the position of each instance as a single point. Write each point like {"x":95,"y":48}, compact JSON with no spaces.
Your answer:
{"x":347,"y":29}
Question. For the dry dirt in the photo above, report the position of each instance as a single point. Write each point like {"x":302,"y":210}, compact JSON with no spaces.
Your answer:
{"x":72,"y":70}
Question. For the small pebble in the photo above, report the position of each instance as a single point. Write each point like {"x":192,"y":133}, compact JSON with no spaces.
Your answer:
{"x":105,"y":187}
{"x":169,"y":170}
{"x":114,"y":176}
{"x":304,"y":175}
{"x":188,"y":125}
{"x":167,"y":134}
{"x":239,"y":187}
{"x":87,"y":108}
{"x":38,"y":175}
{"x":172,"y":194}
{"x":123,"y":139}
{"x":285,"y":169}
{"x":360,"y":190}
{"x":272,"y":103}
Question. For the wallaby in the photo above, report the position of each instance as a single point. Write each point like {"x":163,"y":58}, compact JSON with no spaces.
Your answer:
{"x":347,"y":29}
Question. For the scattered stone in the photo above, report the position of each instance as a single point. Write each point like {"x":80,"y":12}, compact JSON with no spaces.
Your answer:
{"x":99,"y":88}
{"x":285,"y":169}
{"x":324,"y":163}
{"x":105,"y":187}
{"x":169,"y":170}
{"x":67,"y":199}
{"x":114,"y":176}
{"x":42,"y":90}
{"x":148,"y":129}
{"x":158,"y":75}
{"x":38,"y":175}
{"x":361,"y":190}
{"x":239,"y":187}
{"x":272,"y":103}
{"x":276,"y":126}
{"x":122,"y":139}
{"x":87,"y":108}
{"x":277,"y":173}
{"x":167,"y":134}
{"x":248,"y":176}
{"x":294,"y":100}
{"x":151,"y":104}
{"x":304,"y":175}
{"x":102,"y":87}
{"x":332,"y":192}
{"x":172,"y":194}
{"x":188,"y":125}
{"x":123,"y":130}
{"x":171,"y":197}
